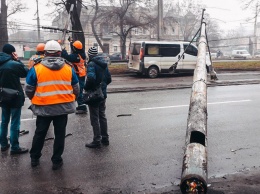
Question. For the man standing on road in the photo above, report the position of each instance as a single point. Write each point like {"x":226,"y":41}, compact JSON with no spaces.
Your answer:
{"x":97,"y":74}
{"x":52,"y":85}
{"x":11,"y":70}
{"x":78,"y":58}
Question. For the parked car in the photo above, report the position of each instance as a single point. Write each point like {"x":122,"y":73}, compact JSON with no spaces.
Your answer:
{"x":257,"y":54}
{"x":105,"y":56}
{"x":240,"y":54}
{"x":115,"y":57}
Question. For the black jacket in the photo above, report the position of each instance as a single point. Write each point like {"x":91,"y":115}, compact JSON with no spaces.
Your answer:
{"x":10,"y":73}
{"x":97,"y":72}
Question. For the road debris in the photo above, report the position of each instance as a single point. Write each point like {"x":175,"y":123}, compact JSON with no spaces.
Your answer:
{"x":21,"y":133}
{"x":50,"y":138}
{"x":239,"y":149}
{"x":123,"y":115}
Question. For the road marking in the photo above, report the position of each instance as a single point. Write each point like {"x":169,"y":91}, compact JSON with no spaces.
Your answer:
{"x":226,"y":102}
{"x":178,"y":106}
{"x":26,"y":119}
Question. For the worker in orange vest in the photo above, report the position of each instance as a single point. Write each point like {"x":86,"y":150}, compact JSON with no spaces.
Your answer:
{"x":52,"y":86}
{"x":78,"y":58}
{"x":38,"y":56}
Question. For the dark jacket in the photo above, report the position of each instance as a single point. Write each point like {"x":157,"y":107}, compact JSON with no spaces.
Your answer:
{"x":10,"y":73}
{"x":97,"y":72}
{"x":74,"y":56}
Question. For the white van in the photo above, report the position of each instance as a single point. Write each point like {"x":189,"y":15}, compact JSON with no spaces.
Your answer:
{"x":240,"y":54}
{"x":155,"y":57}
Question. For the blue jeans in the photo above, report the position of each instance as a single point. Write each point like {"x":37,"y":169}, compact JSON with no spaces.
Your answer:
{"x":15,"y":114}
{"x":81,"y":86}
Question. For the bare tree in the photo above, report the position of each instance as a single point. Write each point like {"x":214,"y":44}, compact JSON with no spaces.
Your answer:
{"x":93,"y":26}
{"x":189,"y":16}
{"x":125,"y":16}
{"x":13,"y":7}
{"x":76,"y":26}
{"x":254,"y":5}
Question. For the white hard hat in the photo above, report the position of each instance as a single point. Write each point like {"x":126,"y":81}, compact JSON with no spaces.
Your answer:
{"x":52,"y":46}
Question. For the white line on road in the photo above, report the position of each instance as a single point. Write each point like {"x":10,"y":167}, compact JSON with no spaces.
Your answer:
{"x":26,"y":119}
{"x":211,"y":103}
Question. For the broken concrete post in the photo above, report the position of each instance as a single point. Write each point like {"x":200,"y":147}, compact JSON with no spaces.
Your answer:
{"x":194,"y":169}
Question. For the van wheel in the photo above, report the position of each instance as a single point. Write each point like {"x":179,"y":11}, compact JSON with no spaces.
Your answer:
{"x":153,"y":72}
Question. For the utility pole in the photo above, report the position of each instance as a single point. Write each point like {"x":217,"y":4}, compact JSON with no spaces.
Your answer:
{"x":255,"y":28}
{"x":38,"y":22}
{"x":160,"y":18}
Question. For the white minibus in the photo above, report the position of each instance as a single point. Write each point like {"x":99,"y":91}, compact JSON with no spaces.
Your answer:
{"x":155,"y":57}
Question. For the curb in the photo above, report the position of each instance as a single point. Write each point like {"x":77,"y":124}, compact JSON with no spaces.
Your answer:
{"x":171,"y":87}
{"x":178,"y":86}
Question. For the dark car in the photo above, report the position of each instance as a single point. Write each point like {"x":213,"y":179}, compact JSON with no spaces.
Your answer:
{"x":116,"y":57}
{"x":105,"y":56}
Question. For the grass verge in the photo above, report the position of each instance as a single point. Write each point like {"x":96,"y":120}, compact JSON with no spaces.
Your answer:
{"x":237,"y":65}
{"x":121,"y":68}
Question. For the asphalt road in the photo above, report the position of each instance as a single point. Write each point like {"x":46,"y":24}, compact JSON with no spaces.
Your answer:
{"x":147,"y":133}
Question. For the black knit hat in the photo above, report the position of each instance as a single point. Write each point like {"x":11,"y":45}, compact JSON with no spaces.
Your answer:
{"x":92,"y":51}
{"x":8,"y":49}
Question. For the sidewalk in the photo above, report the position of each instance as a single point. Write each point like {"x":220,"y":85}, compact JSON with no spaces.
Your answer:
{"x":133,"y":83}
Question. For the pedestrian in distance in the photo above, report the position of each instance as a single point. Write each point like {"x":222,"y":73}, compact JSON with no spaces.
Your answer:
{"x":38,"y":56}
{"x":78,"y":59}
{"x":11,"y":70}
{"x":98,"y":73}
{"x":52,"y":86}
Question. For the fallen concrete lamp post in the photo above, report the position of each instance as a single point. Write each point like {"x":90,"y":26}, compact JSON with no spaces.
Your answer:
{"x":194,"y":169}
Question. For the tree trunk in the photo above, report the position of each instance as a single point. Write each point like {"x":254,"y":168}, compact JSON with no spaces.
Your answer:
{"x":3,"y":24}
{"x":93,"y":26}
{"x":75,"y":21}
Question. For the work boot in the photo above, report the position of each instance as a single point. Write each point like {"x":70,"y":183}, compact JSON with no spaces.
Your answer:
{"x":93,"y":144}
{"x":3,"y":149}
{"x":82,"y":109}
{"x":19,"y":151}
{"x":56,"y":166}
{"x":105,"y":141}
{"x":34,"y":162}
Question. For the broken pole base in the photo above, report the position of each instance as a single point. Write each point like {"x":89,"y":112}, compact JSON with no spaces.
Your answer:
{"x":194,"y":169}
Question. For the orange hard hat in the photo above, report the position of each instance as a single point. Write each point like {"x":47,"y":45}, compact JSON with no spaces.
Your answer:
{"x":40,"y":47}
{"x":77,"y":44}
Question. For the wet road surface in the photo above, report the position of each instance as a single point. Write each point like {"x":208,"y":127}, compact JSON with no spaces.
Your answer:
{"x":145,"y":155}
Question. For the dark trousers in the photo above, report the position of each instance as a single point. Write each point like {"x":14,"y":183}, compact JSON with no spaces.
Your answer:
{"x":99,"y":121}
{"x":42,"y":126}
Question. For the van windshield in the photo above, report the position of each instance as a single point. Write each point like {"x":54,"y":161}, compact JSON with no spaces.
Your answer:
{"x":135,"y":48}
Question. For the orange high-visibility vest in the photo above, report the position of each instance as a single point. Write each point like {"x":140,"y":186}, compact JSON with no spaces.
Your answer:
{"x":80,"y":68}
{"x":53,"y":87}
{"x":31,"y":60}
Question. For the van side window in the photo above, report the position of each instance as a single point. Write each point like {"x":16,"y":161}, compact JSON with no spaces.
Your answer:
{"x":170,"y":50}
{"x":191,"y":50}
{"x":151,"y":49}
